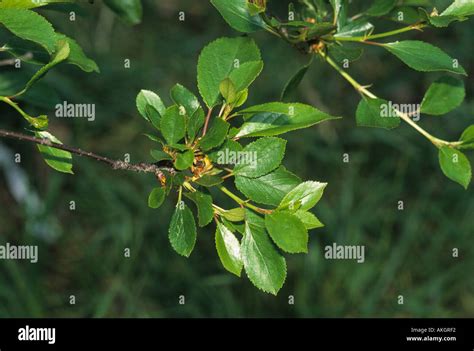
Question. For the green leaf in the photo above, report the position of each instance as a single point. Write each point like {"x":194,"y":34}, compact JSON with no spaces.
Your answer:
{"x":182,"y":230}
{"x":228,"y":249}
{"x":309,"y":220}
{"x":226,"y":153}
{"x":460,"y":8}
{"x":77,"y":56}
{"x":237,"y":14}
{"x":340,"y":12}
{"x":417,"y":2}
{"x":40,"y":122}
{"x":443,"y":96}
{"x":227,"y":90}
{"x":345,"y":53}
{"x":57,"y":159}
{"x":173,"y":125}
{"x":156,"y":197}
{"x":355,"y":29}
{"x":153,"y":116}
{"x":184,"y":97}
{"x":405,"y":14}
{"x":179,"y":147}
{"x":218,"y":60}
{"x":209,"y":181}
{"x":244,"y":75}
{"x":294,"y":82}
{"x":376,"y":113}
{"x":204,"y":206}
{"x":61,"y":54}
{"x":467,"y":138}
{"x":179,"y":178}
{"x":443,"y":21}
{"x":424,"y":57}
{"x":30,"y":26}
{"x":241,"y":98}
{"x":159,"y":155}
{"x":254,"y":220}
{"x":38,"y":30}
{"x":321,"y":7}
{"x":437,"y":20}
{"x":287,"y":231}
{"x":381,"y":7}
{"x":264,"y":265}
{"x":277,"y":118}
{"x":296,"y":24}
{"x":266,"y":153}
{"x":316,"y":30}
{"x":304,"y":197}
{"x":29,"y":4}
{"x":145,"y":100}
{"x":215,"y":136}
{"x":130,"y":11}
{"x":153,"y":138}
{"x":255,"y":9}
{"x":184,"y":161}
{"x":195,"y":123}
{"x":269,"y":189}
{"x":234,"y":214}
{"x":233,"y":226}
{"x":455,"y":165}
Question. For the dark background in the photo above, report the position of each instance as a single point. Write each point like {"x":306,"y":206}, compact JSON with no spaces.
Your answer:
{"x":408,"y":252}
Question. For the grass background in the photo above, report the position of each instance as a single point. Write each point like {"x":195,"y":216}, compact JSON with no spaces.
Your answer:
{"x":408,"y":252}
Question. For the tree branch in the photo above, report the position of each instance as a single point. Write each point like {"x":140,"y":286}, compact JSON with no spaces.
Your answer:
{"x":114,"y":164}
{"x":406,"y":118}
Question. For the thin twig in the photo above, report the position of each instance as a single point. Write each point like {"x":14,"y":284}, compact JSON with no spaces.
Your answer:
{"x":13,"y":61}
{"x":406,"y":118}
{"x":206,"y":124}
{"x":114,"y":164}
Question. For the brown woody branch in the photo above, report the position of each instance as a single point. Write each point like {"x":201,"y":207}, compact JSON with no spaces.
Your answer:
{"x":114,"y":164}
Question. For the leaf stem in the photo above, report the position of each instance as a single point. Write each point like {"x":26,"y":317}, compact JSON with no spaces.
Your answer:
{"x":268,"y":25}
{"x":229,"y":175}
{"x":360,"y":88}
{"x":416,"y":26}
{"x":8,"y":101}
{"x":206,"y":124}
{"x":222,"y":109}
{"x":189,"y":187}
{"x":405,"y":117}
{"x":242,"y":202}
{"x":180,"y":194}
{"x":337,"y":9}
{"x":278,"y":32}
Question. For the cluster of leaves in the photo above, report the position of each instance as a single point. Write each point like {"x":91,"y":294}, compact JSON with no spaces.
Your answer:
{"x":203,"y":146}
{"x":204,"y":150}
{"x":199,"y":146}
{"x":328,"y":29}
{"x":33,"y":33}
{"x":35,"y":41}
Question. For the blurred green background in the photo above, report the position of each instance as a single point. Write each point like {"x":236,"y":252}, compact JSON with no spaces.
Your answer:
{"x":408,"y":252}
